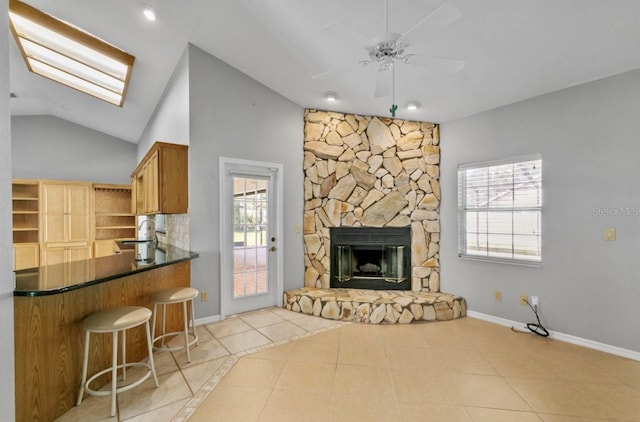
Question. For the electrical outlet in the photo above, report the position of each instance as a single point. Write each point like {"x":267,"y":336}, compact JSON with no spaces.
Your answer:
{"x":535,"y":300}
{"x":204,"y":296}
{"x":523,"y":299}
{"x":497,"y":295}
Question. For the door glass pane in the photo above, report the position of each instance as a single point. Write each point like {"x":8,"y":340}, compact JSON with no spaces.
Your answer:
{"x":250,"y":233}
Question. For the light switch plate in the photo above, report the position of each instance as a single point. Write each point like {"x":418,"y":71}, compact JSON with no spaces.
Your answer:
{"x":610,"y":233}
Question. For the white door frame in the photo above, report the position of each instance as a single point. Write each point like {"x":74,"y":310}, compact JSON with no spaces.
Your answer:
{"x":226,"y":234}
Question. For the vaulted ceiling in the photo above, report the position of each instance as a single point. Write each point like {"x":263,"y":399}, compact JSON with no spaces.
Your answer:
{"x":512,"y":50}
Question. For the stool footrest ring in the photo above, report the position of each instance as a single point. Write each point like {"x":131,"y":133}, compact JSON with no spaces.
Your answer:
{"x":122,"y":388}
{"x":166,"y":348}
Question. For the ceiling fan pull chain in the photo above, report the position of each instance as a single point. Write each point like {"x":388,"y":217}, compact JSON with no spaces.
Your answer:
{"x":394,"y":106}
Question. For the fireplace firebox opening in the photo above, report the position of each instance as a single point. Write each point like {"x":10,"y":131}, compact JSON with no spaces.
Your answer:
{"x":371,"y":258}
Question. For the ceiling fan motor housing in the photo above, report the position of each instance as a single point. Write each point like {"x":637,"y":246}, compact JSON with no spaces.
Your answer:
{"x":387,"y":49}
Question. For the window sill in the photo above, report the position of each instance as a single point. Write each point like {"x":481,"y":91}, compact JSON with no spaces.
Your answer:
{"x":520,"y":263}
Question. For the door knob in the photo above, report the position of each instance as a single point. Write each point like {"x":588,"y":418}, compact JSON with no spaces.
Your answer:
{"x":272,"y":249}
{"x":273,"y":239}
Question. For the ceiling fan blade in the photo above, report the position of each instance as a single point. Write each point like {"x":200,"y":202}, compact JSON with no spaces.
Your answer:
{"x":339,"y":70}
{"x":441,"y":17}
{"x":384,"y":82}
{"x":348,"y":34}
{"x":442,"y":64}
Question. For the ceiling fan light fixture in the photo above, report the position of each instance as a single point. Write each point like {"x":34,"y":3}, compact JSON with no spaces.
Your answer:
{"x":331,"y":96}
{"x":68,"y":55}
{"x":413,"y":105}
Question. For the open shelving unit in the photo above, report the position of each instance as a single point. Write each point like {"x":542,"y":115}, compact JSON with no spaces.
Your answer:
{"x":113,"y":217}
{"x":25,"y":198}
{"x":25,"y":195}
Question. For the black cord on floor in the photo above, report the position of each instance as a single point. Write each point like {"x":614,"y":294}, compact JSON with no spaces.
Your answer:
{"x":534,"y":328}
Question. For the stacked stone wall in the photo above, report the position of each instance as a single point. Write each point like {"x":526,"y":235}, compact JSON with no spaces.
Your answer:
{"x":362,"y":171}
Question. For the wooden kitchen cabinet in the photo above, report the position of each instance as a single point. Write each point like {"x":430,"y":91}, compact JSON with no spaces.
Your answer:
{"x":66,"y":213}
{"x":26,"y":255}
{"x":56,"y":221}
{"x":159,"y":184}
{"x":62,"y":254}
{"x":104,"y":248}
{"x":67,"y":221}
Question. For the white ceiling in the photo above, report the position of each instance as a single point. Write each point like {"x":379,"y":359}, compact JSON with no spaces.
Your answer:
{"x":513,"y":49}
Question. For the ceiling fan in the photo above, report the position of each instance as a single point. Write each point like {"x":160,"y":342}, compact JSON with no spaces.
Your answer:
{"x":390,"y":48}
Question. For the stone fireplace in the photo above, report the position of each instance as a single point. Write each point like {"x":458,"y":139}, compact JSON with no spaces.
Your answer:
{"x":371,"y":258}
{"x":375,"y":172}
{"x":371,"y":173}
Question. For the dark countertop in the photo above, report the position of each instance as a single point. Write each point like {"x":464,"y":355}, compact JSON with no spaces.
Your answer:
{"x":60,"y":278}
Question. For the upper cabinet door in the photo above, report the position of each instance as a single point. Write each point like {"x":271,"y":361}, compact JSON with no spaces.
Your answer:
{"x":53,"y":212}
{"x":152,"y":203}
{"x":79,"y":213}
{"x":66,"y":212}
{"x":160,"y":181}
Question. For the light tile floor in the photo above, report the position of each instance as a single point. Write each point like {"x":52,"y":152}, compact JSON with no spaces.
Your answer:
{"x":220,"y":345}
{"x":460,"y":370}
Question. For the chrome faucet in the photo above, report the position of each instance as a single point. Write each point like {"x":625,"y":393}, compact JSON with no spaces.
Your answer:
{"x":153,"y":227}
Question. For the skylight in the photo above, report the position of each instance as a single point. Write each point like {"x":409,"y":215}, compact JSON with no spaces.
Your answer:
{"x":68,"y":55}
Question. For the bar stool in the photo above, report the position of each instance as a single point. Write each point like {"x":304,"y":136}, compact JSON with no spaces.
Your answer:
{"x":175,"y":296}
{"x":114,"y":321}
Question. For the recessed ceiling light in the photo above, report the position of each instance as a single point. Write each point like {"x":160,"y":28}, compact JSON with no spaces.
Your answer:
{"x":149,"y":12}
{"x":413,"y":105}
{"x":69,"y":55}
{"x":331,"y":96}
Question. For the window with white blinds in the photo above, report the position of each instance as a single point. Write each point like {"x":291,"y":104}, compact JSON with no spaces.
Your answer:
{"x":499,"y":210}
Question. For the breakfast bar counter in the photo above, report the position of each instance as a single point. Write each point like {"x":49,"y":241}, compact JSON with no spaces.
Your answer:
{"x":60,"y":278}
{"x":50,"y":303}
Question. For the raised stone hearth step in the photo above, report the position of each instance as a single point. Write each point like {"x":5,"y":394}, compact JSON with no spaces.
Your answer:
{"x":375,"y":306}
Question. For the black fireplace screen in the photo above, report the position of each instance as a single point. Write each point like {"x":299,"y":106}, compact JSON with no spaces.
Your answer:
{"x":371,"y":258}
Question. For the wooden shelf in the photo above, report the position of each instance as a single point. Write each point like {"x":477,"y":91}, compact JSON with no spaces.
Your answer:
{"x":112,"y":199}
{"x":25,"y":195}
{"x":113,"y":217}
{"x":25,"y":189}
{"x":25,"y":207}
{"x":30,"y":236}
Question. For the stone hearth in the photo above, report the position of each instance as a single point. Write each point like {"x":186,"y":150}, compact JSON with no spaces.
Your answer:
{"x":375,"y":306}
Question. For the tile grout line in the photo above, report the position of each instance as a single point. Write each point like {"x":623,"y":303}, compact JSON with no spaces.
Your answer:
{"x":220,"y":373}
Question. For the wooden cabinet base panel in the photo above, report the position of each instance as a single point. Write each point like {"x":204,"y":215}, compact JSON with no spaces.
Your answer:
{"x":49,"y":338}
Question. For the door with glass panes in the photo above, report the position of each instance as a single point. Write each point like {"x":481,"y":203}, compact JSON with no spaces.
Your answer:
{"x":250,"y":245}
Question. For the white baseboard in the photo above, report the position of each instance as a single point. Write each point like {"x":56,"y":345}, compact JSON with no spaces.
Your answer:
{"x":207,"y":320}
{"x":607,"y":348}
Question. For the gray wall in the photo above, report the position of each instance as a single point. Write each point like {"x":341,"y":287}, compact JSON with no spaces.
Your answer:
{"x":234,"y":116}
{"x":46,"y":147}
{"x":170,"y":120}
{"x":7,"y":389}
{"x":588,"y":137}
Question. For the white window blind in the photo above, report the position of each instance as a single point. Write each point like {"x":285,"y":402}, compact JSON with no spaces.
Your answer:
{"x":499,"y":210}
